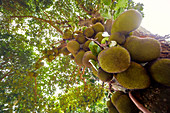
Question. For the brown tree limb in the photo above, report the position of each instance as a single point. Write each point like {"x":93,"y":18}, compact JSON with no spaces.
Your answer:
{"x":138,"y":105}
{"x":35,"y":91}
{"x":41,"y":19}
{"x":6,"y":75}
{"x":73,"y":74}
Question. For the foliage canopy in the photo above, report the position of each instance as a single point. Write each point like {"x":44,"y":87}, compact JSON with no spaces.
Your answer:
{"x":31,"y":27}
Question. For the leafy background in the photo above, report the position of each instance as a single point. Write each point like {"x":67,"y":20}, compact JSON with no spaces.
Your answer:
{"x":30,"y":26}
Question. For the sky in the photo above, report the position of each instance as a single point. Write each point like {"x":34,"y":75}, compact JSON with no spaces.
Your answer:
{"x":157,"y":16}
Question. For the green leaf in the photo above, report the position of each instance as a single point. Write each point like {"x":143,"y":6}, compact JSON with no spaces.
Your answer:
{"x":104,"y":40}
{"x":121,"y":4}
{"x":106,"y":14}
{"x":107,"y":2}
{"x":94,"y":48}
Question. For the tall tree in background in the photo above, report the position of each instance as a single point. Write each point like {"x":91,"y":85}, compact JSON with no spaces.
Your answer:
{"x":31,"y":68}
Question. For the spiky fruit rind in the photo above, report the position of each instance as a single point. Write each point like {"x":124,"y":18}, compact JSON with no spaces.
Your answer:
{"x":49,"y":52}
{"x":99,"y":36}
{"x":87,"y":56}
{"x":98,"y":27}
{"x":78,"y":58}
{"x":67,"y":34}
{"x":127,"y":22}
{"x":160,"y":71}
{"x":65,"y":51}
{"x":114,"y":59}
{"x":80,"y":38}
{"x":135,"y":77}
{"x":51,"y":57}
{"x":30,"y":74}
{"x":56,"y":50}
{"x":125,"y":105}
{"x":143,"y":49}
{"x":86,"y":45}
{"x":104,"y":76}
{"x":73,"y":46}
{"x":118,"y":37}
{"x":115,"y":96}
{"x":111,"y":107}
{"x":89,"y":32}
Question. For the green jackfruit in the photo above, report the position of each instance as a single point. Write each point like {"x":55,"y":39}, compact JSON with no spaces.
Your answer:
{"x":78,"y":58}
{"x":51,"y":57}
{"x":160,"y":71}
{"x":64,"y":50}
{"x":104,"y":76}
{"x":87,"y":56}
{"x":142,"y":49}
{"x":49,"y":52}
{"x":89,"y":32}
{"x":108,"y":25}
{"x":98,"y":27}
{"x":111,"y":107}
{"x":123,"y":103}
{"x":99,"y":36}
{"x":67,"y":34}
{"x":127,"y":22}
{"x":30,"y":74}
{"x":135,"y":77}
{"x":114,"y":59}
{"x":86,"y":45}
{"x":80,"y":38}
{"x":73,"y":46}
{"x":118,"y":37}
{"x":56,"y":50}
{"x":115,"y":96}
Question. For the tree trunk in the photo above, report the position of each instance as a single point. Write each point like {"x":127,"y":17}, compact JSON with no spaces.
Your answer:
{"x":156,"y":98}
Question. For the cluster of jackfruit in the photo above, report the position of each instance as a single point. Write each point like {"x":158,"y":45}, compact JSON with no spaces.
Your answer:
{"x":132,"y":61}
{"x":125,"y":60}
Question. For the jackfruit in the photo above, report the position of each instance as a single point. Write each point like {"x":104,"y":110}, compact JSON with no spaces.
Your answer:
{"x":89,"y":32}
{"x":67,"y":34}
{"x":86,"y":45}
{"x":123,"y":103}
{"x":80,"y":38}
{"x":118,"y":37}
{"x":87,"y":56}
{"x":104,"y":76}
{"x":111,"y":107}
{"x":99,"y":36}
{"x":114,"y":59}
{"x":160,"y":71}
{"x":142,"y":49}
{"x":98,"y":27}
{"x":78,"y":58}
{"x":135,"y":77}
{"x":73,"y":46}
{"x":49,"y":52}
{"x":127,"y":22}
{"x":51,"y":57}
{"x":64,"y":50}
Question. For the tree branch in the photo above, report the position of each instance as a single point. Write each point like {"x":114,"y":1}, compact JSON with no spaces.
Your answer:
{"x":138,"y":105}
{"x":41,"y":19}
{"x":6,"y":75}
{"x":35,"y":91}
